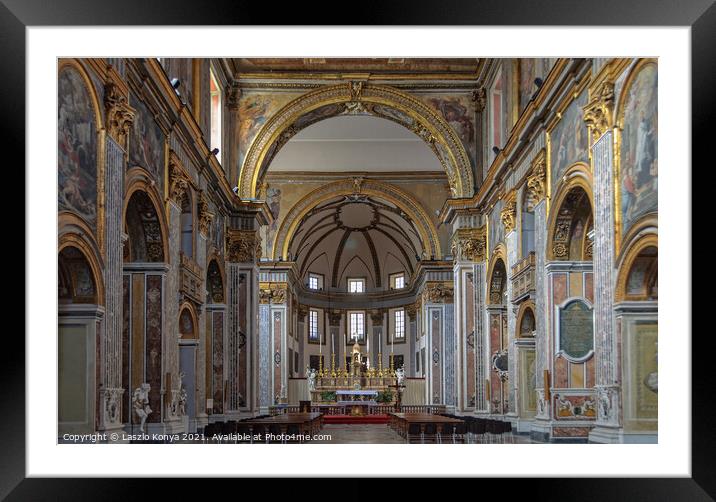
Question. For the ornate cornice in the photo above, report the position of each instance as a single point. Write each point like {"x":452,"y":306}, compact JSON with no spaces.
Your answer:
{"x":598,"y":113}
{"x":120,"y":116}
{"x":205,"y":216}
{"x":243,"y":246}
{"x":233,"y":95}
{"x":537,"y":181}
{"x":469,"y":244}
{"x":412,"y":309}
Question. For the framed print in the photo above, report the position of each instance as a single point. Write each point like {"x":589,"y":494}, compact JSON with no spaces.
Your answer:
{"x":248,"y":240}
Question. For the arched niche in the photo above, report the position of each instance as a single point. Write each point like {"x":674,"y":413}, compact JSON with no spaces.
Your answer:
{"x":357,"y":98}
{"x":526,"y":322}
{"x":144,"y":227}
{"x":497,"y":274}
{"x":214,"y":283}
{"x":188,"y":328}
{"x":571,"y":218}
{"x":638,"y":275}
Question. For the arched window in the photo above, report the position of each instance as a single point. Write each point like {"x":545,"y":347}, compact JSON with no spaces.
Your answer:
{"x":187,"y":226}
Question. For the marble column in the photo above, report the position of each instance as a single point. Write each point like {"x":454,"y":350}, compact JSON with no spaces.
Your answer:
{"x":247,"y":325}
{"x":119,"y":120}
{"x":608,"y":427}
{"x":508,"y":217}
{"x":536,"y":185}
{"x":110,"y":384}
{"x":468,"y":248}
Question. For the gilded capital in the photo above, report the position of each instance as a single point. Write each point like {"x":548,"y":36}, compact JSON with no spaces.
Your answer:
{"x":243,"y":246}
{"x":479,"y":96}
{"x":377,"y":317}
{"x":508,"y":213}
{"x":537,"y":181}
{"x":598,"y":112}
{"x":468,"y":244}
{"x":438,"y":293}
{"x":205,"y":215}
{"x":178,"y":180}
{"x":120,"y":116}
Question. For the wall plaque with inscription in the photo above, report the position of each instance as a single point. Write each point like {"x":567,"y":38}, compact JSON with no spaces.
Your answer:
{"x":576,"y":329}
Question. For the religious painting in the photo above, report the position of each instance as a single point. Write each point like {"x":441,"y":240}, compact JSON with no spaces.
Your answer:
{"x":568,"y":140}
{"x":77,"y":148}
{"x":459,"y":112}
{"x":638,"y":173}
{"x":146,"y":143}
{"x":255,"y":109}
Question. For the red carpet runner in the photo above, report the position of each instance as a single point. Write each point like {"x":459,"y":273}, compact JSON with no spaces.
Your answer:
{"x":350,"y":419}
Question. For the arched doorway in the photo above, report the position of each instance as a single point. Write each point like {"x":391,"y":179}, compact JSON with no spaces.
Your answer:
{"x":144,"y":277}
{"x":215,"y":340}
{"x":81,"y":312}
{"x":188,"y":343}
{"x":636,"y":313}
{"x":570,"y":281}
{"x":526,"y":375}
{"x":497,"y":336}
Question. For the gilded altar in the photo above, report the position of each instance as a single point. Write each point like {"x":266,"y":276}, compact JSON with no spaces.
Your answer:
{"x":354,"y":378}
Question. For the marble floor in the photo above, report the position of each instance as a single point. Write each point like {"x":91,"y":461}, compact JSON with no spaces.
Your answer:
{"x":375,"y":434}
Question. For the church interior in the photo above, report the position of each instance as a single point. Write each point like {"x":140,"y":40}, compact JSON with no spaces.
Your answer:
{"x":369,"y":250}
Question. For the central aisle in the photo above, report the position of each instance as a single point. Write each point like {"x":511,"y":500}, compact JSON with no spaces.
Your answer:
{"x":360,"y":434}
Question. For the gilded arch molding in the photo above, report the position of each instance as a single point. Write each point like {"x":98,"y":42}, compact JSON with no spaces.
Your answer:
{"x":576,"y":176}
{"x":360,"y":97}
{"x":403,"y":200}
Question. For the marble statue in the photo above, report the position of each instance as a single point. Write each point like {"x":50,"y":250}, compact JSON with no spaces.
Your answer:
{"x":182,"y":401}
{"x":140,"y":404}
{"x":311,"y":379}
{"x":400,"y":374}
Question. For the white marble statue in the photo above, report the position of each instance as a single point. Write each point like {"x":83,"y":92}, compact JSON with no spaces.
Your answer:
{"x":400,"y":374}
{"x":311,"y":377}
{"x":140,"y":404}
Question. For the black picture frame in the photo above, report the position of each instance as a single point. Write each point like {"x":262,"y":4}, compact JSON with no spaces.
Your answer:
{"x":700,"y":15}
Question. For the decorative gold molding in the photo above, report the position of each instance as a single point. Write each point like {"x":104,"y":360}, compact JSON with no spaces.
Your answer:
{"x":630,"y":255}
{"x":469,"y":244}
{"x":598,"y":113}
{"x":424,"y":120}
{"x":205,"y":216}
{"x":273,"y":293}
{"x":243,"y":246}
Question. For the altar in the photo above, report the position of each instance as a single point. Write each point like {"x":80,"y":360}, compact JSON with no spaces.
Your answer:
{"x":354,"y":386}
